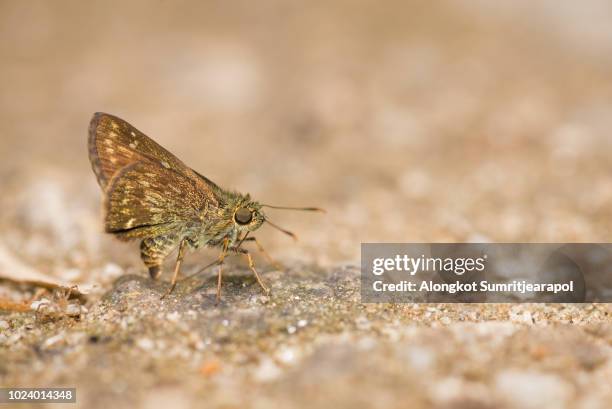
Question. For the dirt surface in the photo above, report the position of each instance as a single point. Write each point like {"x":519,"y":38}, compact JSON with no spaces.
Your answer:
{"x":406,"y":121}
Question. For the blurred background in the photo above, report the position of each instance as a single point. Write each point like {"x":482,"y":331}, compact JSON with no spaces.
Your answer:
{"x":407,"y":121}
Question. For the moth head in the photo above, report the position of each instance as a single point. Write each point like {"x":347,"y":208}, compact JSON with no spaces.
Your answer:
{"x":248,"y":216}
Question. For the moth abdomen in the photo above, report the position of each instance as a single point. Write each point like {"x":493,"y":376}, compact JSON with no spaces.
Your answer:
{"x":153,"y":251}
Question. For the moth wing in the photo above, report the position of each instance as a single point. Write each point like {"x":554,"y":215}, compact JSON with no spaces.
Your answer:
{"x":115,"y":144}
{"x":145,"y":199}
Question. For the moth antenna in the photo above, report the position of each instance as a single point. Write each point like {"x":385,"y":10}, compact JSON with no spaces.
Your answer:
{"x":307,"y":209}
{"x":287,"y":232}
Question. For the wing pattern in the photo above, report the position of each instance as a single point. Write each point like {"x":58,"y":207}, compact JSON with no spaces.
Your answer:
{"x":114,"y":144}
{"x":149,"y":192}
{"x":144,"y":200}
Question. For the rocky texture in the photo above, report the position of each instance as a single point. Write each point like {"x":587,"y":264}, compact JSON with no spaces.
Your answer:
{"x":408,"y":121}
{"x":311,"y":343}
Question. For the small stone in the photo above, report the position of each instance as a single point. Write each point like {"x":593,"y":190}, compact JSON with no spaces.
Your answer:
{"x":145,"y":344}
{"x":267,"y":371}
{"x":49,"y":342}
{"x":73,"y":310}
{"x":4,"y":324}
{"x":291,"y":329}
{"x":71,"y":274}
{"x":76,"y":338}
{"x":36,"y":305}
{"x":446,"y":390}
{"x":112,"y":270}
{"x":173,"y":316}
{"x":195,"y":341}
{"x":286,"y":355}
{"x":532,"y":390}
{"x":363,"y":323}
{"x":302,"y":323}
{"x":367,"y":343}
{"x":420,"y":358}
{"x":14,"y":338}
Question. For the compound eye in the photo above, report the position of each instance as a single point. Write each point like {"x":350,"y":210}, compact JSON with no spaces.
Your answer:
{"x":243,"y":216}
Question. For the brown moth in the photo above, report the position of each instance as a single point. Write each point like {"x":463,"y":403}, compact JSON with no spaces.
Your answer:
{"x":150,"y":195}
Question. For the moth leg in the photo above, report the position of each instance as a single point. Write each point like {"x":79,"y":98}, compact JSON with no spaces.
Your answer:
{"x":153,"y":251}
{"x":214,"y":263}
{"x":275,"y":263}
{"x":177,"y":266}
{"x":220,"y":273}
{"x":252,"y":267}
{"x":246,"y":253}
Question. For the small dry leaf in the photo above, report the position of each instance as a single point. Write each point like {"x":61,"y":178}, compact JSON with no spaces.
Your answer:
{"x":14,"y":270}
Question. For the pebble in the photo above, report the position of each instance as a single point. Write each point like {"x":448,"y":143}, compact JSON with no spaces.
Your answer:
{"x":39,"y":303}
{"x":49,"y":342}
{"x":112,"y":270}
{"x":367,"y":343}
{"x":73,"y":310}
{"x":517,"y":314}
{"x":13,"y":338}
{"x":267,"y":371}
{"x":286,"y":355}
{"x":173,"y":316}
{"x":145,"y":344}
{"x":363,"y":323}
{"x":444,"y":391}
{"x":4,"y":324}
{"x":71,"y":274}
{"x":533,"y":390}
{"x":420,"y":358}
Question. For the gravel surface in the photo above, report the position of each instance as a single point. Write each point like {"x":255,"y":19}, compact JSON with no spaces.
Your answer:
{"x":406,"y":121}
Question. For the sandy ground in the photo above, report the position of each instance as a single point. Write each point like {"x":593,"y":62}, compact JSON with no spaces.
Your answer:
{"x":407,"y":121}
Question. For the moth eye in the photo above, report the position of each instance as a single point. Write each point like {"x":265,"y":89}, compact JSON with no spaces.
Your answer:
{"x":243,"y":216}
